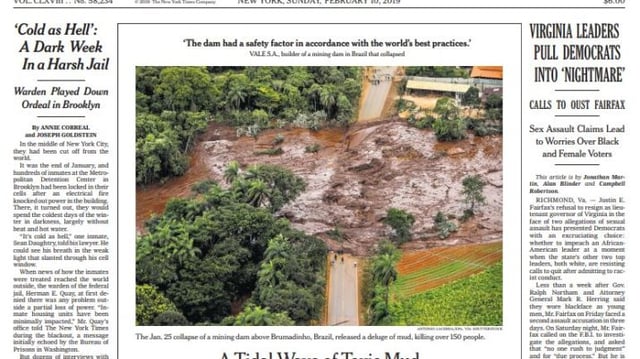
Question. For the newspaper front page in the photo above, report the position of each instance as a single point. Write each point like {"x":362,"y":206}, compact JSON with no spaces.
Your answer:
{"x":348,"y":179}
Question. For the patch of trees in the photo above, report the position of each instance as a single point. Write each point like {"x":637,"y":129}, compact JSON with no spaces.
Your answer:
{"x":471,"y":97}
{"x":449,"y":125}
{"x":443,"y":225}
{"x":489,"y":121}
{"x":253,"y":315}
{"x":285,"y":284}
{"x":445,"y":120}
{"x":378,"y":276}
{"x":251,"y":98}
{"x":224,"y":246}
{"x":450,"y":122}
{"x":163,"y":142}
{"x":173,"y":105}
{"x":380,"y":272}
{"x":472,"y":188}
{"x":400,"y":222}
{"x":252,"y":95}
{"x":308,"y":97}
{"x":436,"y":71}
{"x":153,"y":307}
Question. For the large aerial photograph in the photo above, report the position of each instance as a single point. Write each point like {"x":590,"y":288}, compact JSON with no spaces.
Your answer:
{"x":319,"y":196}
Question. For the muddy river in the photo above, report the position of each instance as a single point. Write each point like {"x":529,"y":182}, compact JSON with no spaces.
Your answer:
{"x":355,"y":177}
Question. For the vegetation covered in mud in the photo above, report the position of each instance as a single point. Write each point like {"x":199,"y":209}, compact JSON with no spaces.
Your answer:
{"x":240,"y":248}
{"x":450,"y":120}
{"x":174,"y":104}
{"x":381,"y":273}
{"x":222,"y":248}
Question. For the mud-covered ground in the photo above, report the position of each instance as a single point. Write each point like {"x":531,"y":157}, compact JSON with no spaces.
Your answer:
{"x":356,"y":177}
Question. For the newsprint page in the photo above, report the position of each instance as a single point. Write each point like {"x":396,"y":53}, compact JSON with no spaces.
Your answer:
{"x":320,"y":179}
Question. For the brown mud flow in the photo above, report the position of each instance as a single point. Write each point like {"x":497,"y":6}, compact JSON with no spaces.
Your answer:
{"x":355,"y":177}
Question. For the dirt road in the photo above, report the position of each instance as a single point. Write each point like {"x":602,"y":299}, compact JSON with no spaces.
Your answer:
{"x":343,"y":290}
{"x":380,"y":82}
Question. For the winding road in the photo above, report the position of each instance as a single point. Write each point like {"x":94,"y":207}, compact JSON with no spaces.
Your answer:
{"x":343,"y":290}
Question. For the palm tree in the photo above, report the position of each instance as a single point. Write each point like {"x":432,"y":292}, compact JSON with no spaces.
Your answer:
{"x":162,"y":236}
{"x":328,"y":99}
{"x":252,"y":172}
{"x":182,"y":249}
{"x":258,"y":193}
{"x":174,"y":243}
{"x":144,"y":246}
{"x":379,"y":309}
{"x":236,"y":94}
{"x":257,"y":316}
{"x":313,"y":93}
{"x":214,"y":197}
{"x":254,"y":315}
{"x":232,"y":171}
{"x":384,"y":271}
{"x":270,"y":273}
{"x":402,"y":87}
{"x":278,"y":247}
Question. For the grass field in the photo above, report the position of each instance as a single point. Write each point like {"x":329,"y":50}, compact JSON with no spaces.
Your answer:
{"x":459,"y":285}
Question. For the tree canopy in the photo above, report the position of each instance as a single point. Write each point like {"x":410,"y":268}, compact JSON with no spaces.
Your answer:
{"x":400,"y":222}
{"x":174,"y":104}
{"x":380,"y":274}
{"x":437,"y":71}
{"x":150,"y":303}
{"x":254,"y":315}
{"x":224,"y":246}
{"x":472,"y":190}
{"x":163,"y":142}
{"x":448,"y":126}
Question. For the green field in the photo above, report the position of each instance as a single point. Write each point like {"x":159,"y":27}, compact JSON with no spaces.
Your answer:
{"x":423,"y":270}
{"x":472,"y":301}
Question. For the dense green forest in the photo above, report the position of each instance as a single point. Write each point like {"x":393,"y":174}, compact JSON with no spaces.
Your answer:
{"x":223,"y":248}
{"x":174,"y":104}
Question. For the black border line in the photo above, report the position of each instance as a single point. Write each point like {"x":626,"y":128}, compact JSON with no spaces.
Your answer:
{"x":577,"y":90}
{"x":61,"y":116}
{"x":576,"y":164}
{"x":60,"y":80}
{"x":312,"y":24}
